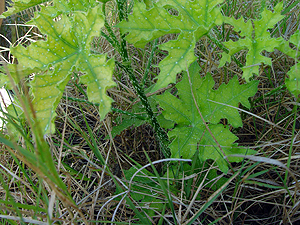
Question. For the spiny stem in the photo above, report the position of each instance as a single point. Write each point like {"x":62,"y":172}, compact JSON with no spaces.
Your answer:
{"x":161,"y":135}
{"x":126,"y":66}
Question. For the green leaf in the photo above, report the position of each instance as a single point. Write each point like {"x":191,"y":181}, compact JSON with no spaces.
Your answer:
{"x":58,"y":6}
{"x":190,"y":132}
{"x":194,"y":19}
{"x":4,"y":80}
{"x":225,"y":58}
{"x":17,"y":73}
{"x":74,"y":5}
{"x":47,"y":89}
{"x":257,"y":39}
{"x":293,"y":80}
{"x":19,"y":6}
{"x":145,"y":191}
{"x":67,"y":49}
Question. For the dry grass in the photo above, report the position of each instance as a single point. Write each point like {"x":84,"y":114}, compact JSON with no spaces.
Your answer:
{"x":261,"y":193}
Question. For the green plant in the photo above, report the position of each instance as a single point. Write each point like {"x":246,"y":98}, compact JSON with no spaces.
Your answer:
{"x":293,"y":81}
{"x":255,"y":37}
{"x":194,"y":20}
{"x":68,"y":29}
{"x":66,"y":49}
{"x":197,"y":122}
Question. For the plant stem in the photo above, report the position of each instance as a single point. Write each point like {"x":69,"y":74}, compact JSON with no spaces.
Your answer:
{"x":161,"y":135}
{"x":292,"y":142}
{"x":126,"y":66}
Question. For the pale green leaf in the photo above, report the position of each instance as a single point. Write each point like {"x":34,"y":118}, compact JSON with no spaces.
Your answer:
{"x":17,"y":73}
{"x":256,"y":39}
{"x":268,"y":20}
{"x":67,"y":48}
{"x":293,"y":80}
{"x":143,"y":25}
{"x":4,"y":80}
{"x":234,"y":47}
{"x":225,"y":58}
{"x":47,"y":89}
{"x":21,"y":5}
{"x":190,"y":132}
{"x":245,"y":28}
{"x":181,"y":54}
{"x":74,"y":5}
{"x":57,"y":8}
{"x":190,"y":19}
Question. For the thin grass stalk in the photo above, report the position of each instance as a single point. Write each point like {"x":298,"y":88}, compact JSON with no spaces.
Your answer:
{"x":23,"y":220}
{"x":11,"y":199}
{"x":211,"y":199}
{"x":166,"y":190}
{"x":292,"y":142}
{"x":196,"y":194}
{"x":113,"y":109}
{"x":38,"y":159}
{"x":167,"y":193}
{"x":92,"y":144}
{"x":161,"y":220}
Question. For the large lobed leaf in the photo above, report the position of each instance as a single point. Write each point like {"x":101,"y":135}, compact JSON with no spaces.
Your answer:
{"x":190,"y":133}
{"x":66,"y":49}
{"x":194,"y":19}
{"x":256,"y":39}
